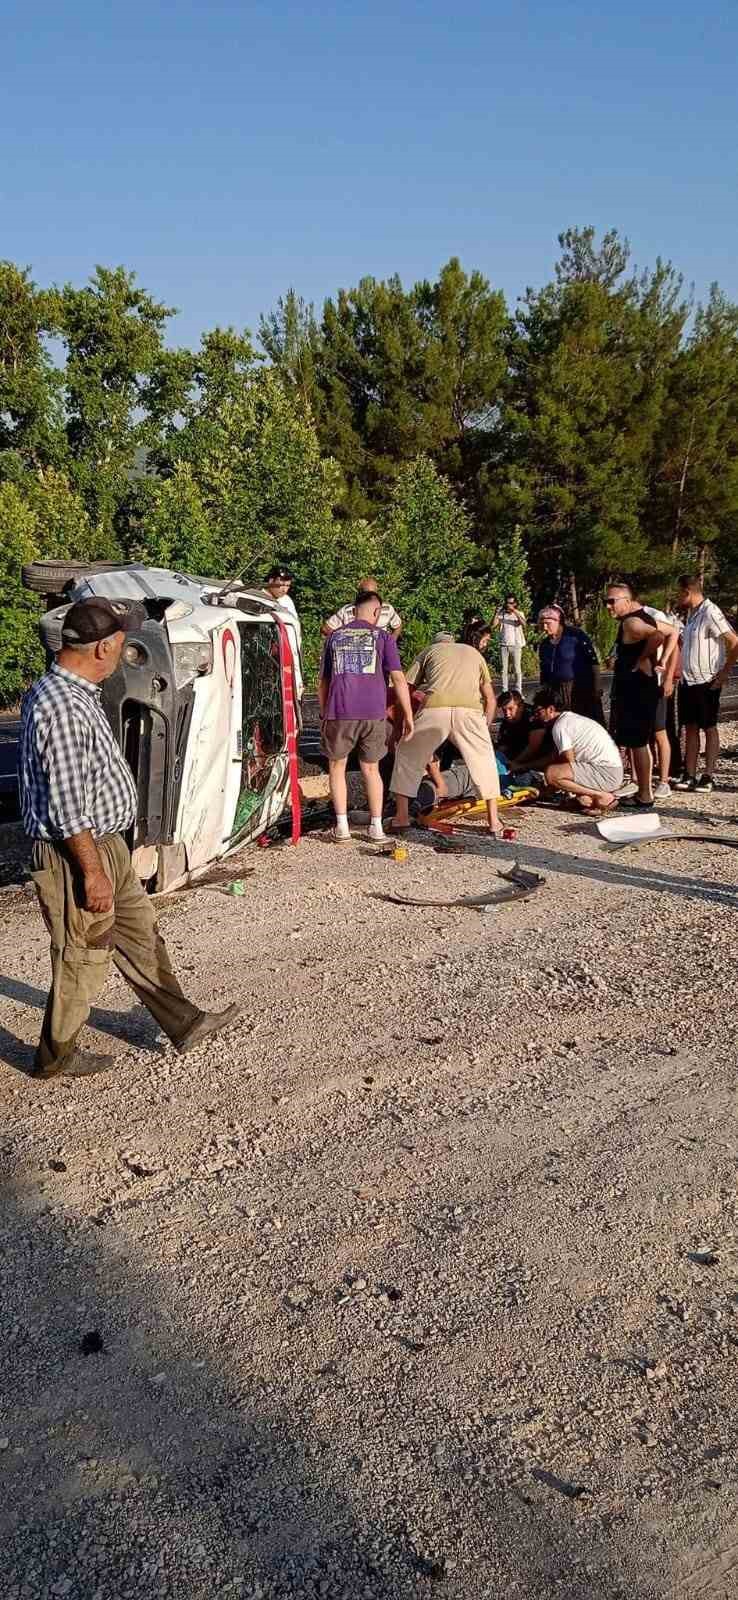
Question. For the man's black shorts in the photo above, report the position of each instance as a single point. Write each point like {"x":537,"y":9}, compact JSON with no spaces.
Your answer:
{"x":699,"y":705}
{"x":636,"y":700}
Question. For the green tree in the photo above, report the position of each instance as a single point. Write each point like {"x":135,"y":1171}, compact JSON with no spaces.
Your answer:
{"x":20,"y":650}
{"x":173,"y":527}
{"x":115,"y":373}
{"x":693,"y":508}
{"x":243,"y":483}
{"x":392,"y":373}
{"x":430,"y":561}
{"x":31,"y":418}
{"x":589,"y":356}
{"x":290,"y":337}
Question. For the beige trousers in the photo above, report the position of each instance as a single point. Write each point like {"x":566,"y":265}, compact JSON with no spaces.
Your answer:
{"x":83,"y":944}
{"x":467,"y":729}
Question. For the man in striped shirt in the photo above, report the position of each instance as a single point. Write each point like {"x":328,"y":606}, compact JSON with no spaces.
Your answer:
{"x":709,"y":649}
{"x":78,"y":800}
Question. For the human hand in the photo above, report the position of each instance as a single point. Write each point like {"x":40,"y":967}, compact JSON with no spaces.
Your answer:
{"x":408,"y":728}
{"x":718,"y":680}
{"x":667,"y":688}
{"x":98,"y":891}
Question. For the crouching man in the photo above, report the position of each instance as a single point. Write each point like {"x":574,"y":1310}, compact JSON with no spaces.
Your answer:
{"x":78,"y":800}
{"x":588,"y":763}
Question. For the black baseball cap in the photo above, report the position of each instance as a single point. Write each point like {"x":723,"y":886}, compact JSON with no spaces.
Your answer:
{"x":87,"y":621}
{"x":280,"y":572}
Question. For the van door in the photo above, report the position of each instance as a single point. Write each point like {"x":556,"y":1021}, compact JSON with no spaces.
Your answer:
{"x":263,"y":743}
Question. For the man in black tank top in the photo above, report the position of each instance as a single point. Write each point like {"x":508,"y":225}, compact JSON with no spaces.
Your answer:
{"x":635,"y":685}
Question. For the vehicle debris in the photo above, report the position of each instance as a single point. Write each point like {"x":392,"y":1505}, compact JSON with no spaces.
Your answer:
{"x":520,"y":884}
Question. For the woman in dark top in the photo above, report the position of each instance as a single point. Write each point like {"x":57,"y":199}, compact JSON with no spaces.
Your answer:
{"x":568,"y":663}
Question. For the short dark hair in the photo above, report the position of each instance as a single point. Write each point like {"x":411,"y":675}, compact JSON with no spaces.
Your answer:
{"x":509,"y":696}
{"x":689,"y":580}
{"x":623,"y":583}
{"x":364,"y":595}
{"x":279,"y":572}
{"x":511,"y":596}
{"x":548,"y":697}
{"x":475,"y":634}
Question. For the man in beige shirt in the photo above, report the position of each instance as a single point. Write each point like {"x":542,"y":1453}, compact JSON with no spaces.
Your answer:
{"x":460,"y":705}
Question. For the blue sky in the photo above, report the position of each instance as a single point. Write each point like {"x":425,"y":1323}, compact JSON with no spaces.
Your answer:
{"x":226,"y":152}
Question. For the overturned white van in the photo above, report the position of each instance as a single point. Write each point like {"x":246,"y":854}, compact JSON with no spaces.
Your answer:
{"x":204,"y":705}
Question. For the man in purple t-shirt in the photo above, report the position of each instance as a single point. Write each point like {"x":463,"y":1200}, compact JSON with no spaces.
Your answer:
{"x":358,"y":662}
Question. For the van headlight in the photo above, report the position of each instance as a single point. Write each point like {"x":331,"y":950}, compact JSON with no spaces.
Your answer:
{"x":192,"y":660}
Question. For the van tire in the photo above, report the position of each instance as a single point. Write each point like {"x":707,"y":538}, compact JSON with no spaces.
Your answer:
{"x":52,"y":577}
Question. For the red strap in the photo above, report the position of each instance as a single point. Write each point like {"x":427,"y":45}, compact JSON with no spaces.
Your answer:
{"x":290,"y":726}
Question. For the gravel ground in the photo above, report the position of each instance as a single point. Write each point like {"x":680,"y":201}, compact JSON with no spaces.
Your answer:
{"x":424,"y":1279}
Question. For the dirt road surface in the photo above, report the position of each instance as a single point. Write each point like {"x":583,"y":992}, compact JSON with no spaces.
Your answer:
{"x":424,"y":1279}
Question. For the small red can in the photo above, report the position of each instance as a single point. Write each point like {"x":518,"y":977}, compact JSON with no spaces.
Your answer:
{"x":509,"y":833}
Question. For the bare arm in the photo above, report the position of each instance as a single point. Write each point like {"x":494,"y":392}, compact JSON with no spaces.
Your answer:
{"x":489,"y":701}
{"x":731,"y":656}
{"x":671,"y":646}
{"x":98,"y":890}
{"x":527,"y":757}
{"x":400,"y":685}
{"x":651,"y":638}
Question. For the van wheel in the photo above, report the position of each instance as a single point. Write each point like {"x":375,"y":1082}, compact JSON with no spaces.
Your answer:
{"x":52,"y":577}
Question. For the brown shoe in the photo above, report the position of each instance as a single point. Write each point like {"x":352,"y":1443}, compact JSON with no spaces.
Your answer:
{"x":208,"y":1022}
{"x":81,"y":1064}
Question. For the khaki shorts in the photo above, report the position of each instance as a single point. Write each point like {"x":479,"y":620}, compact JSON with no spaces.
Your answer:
{"x":340,"y":739}
{"x":600,"y":779}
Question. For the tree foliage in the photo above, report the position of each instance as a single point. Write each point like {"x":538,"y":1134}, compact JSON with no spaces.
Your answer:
{"x":420,"y":433}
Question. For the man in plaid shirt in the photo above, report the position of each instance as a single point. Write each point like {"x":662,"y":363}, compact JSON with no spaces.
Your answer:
{"x":78,"y":799}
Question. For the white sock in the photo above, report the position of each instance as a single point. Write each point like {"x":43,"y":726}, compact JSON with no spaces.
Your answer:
{"x":341,"y":822}
{"x":375,"y":825}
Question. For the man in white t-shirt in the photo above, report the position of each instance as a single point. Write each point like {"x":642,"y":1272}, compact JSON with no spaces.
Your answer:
{"x":511,"y":623}
{"x":588,"y":765}
{"x":389,"y":619}
{"x":709,"y":649}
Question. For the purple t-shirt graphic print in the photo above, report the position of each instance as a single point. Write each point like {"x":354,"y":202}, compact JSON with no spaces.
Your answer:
{"x":357,"y":661}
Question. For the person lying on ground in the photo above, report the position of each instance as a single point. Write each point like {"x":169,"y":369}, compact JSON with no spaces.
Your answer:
{"x":459,"y":705}
{"x":389,"y":619}
{"x":588,"y":764}
{"x":358,"y":661}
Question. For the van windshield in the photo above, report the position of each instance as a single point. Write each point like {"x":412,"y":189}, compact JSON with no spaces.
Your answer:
{"x":262,"y":716}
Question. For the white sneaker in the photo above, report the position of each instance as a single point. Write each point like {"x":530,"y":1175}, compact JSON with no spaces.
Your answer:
{"x":662,"y":791}
{"x":378,"y":837}
{"x":626,"y":789}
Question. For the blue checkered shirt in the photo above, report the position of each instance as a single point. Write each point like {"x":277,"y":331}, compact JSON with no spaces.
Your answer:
{"x":72,"y":775}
